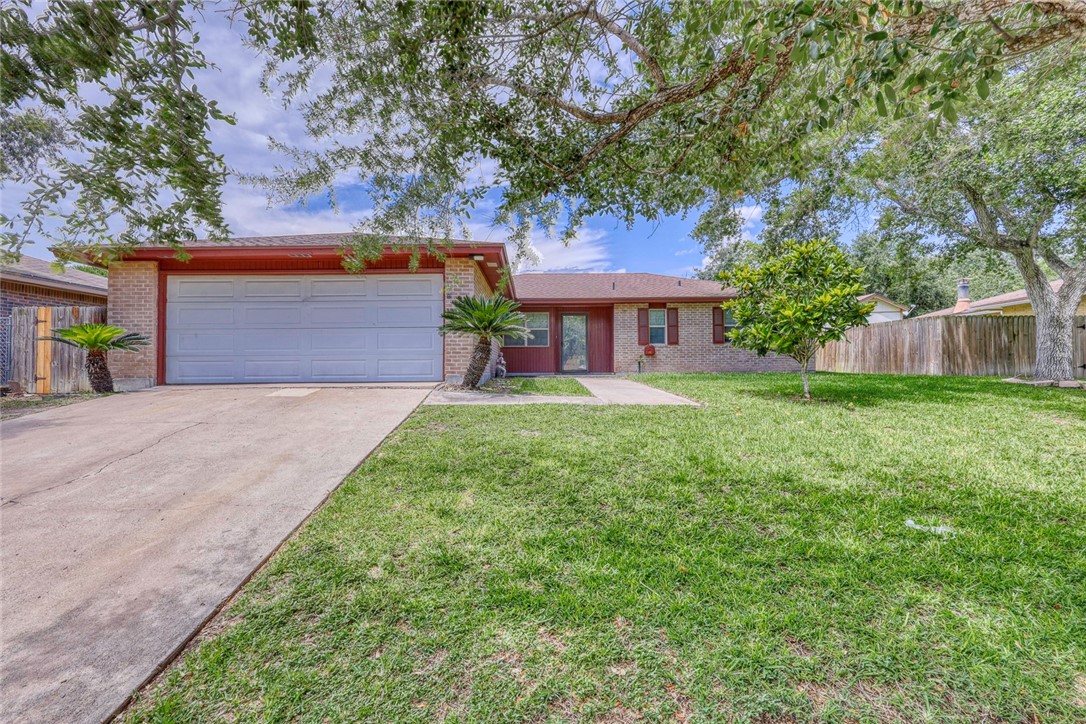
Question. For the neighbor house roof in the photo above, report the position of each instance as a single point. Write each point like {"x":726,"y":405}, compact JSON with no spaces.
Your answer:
{"x":39,"y":272}
{"x":614,"y":287}
{"x":991,"y":304}
{"x":873,"y":296}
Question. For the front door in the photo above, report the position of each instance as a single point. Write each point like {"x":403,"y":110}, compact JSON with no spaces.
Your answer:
{"x":574,"y":343}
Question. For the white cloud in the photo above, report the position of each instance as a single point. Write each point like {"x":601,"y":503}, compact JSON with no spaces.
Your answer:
{"x":587,"y":252}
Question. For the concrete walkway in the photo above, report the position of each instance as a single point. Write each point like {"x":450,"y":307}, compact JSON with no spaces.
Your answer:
{"x":605,"y":391}
{"x":127,"y":520}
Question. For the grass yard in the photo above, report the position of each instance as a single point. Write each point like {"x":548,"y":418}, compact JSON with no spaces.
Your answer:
{"x":12,"y":407}
{"x":748,"y":560}
{"x":566,"y":386}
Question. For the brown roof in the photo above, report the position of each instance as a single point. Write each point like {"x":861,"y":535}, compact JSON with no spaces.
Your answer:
{"x":29,"y":270}
{"x":989,"y":304}
{"x":614,"y":287}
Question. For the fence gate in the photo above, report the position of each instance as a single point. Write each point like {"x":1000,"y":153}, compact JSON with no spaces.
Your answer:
{"x":44,"y":367}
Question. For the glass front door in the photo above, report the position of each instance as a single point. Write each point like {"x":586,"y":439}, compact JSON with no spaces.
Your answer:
{"x":574,"y":342}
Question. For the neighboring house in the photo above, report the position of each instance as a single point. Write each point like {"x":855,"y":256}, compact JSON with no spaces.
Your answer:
{"x":32,"y":282}
{"x":886,"y":309}
{"x":282,"y":309}
{"x":1011,"y":304}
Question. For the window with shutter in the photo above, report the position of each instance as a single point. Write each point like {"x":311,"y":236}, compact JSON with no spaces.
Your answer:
{"x":718,"y":325}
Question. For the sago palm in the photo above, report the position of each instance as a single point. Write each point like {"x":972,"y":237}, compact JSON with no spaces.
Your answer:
{"x":487,"y":319}
{"x":98,"y":339}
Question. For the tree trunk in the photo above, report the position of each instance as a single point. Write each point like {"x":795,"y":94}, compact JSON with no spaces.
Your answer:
{"x":1054,"y":313}
{"x":806,"y":382}
{"x":1055,"y":342}
{"x":480,"y":358}
{"x":98,"y":372}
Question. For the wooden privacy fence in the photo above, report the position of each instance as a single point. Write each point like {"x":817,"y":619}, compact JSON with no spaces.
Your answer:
{"x":1000,"y":346}
{"x":47,"y":367}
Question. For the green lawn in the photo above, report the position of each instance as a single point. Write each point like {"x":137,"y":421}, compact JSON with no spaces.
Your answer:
{"x":748,"y":560}
{"x":12,"y":407}
{"x":538,"y":386}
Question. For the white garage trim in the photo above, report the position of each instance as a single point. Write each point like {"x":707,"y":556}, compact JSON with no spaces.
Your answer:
{"x":303,"y":328}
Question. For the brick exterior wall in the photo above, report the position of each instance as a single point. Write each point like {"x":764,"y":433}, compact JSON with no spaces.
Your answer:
{"x":133,"y":305}
{"x":695,"y":351}
{"x":464,"y":278}
{"x":21,"y":294}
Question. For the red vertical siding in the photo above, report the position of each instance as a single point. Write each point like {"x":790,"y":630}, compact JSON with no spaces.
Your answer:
{"x":601,"y":339}
{"x":545,"y":360}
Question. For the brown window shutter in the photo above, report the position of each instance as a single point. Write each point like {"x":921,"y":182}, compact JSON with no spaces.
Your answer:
{"x":672,"y":326}
{"x":642,"y":326}
{"x":718,"y":325}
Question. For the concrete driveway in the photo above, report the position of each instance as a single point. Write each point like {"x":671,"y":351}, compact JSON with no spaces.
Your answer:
{"x":127,"y":520}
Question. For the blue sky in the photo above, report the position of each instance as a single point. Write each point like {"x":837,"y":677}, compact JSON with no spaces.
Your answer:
{"x":604,"y":244}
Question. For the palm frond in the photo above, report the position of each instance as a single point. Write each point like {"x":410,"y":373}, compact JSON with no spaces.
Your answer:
{"x":488,"y":317}
{"x":97,"y":337}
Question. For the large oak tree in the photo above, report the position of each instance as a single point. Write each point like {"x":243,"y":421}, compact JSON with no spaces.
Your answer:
{"x":1005,"y":175}
{"x":561,"y":109}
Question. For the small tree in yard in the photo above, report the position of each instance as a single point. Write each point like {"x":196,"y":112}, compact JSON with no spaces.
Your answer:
{"x":98,"y":339}
{"x":796,"y":302}
{"x":487,"y":319}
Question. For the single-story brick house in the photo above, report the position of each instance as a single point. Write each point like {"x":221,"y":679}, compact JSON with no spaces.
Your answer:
{"x":32,"y":282}
{"x":282,"y":309}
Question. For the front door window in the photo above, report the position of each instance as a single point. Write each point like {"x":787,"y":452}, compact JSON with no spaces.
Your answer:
{"x":574,"y":342}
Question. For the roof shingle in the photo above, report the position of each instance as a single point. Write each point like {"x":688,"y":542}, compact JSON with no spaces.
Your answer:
{"x":618,"y":286}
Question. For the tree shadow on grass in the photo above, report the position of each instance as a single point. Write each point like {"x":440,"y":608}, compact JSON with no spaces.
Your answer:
{"x":847,"y":390}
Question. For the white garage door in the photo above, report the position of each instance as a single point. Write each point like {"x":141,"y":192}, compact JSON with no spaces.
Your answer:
{"x":316,"y":328}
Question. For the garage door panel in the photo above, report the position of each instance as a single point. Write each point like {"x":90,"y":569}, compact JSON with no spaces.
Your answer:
{"x":407,"y":340}
{"x":331,"y":370}
{"x":202,"y":289}
{"x":278,"y":288}
{"x":342,"y":341}
{"x":400,"y":287}
{"x":202,"y":316}
{"x":297,"y":328}
{"x":408,"y":314}
{"x":279,"y":341}
{"x":281,"y":316}
{"x":272,"y":370}
{"x":341,"y":314}
{"x":353,"y":288}
{"x":408,"y":369}
{"x":203,"y":343}
{"x":193,"y":370}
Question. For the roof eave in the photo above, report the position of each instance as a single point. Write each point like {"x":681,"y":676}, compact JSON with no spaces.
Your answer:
{"x":23,"y":278}
{"x":622,"y":300}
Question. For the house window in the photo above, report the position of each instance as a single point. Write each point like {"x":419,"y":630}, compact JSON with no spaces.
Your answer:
{"x":657,"y":326}
{"x":539,"y":331}
{"x":723,"y":324}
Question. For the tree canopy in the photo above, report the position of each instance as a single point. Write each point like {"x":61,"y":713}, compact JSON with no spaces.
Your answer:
{"x":1006,"y":176}
{"x":796,"y":301}
{"x":563,"y":110}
